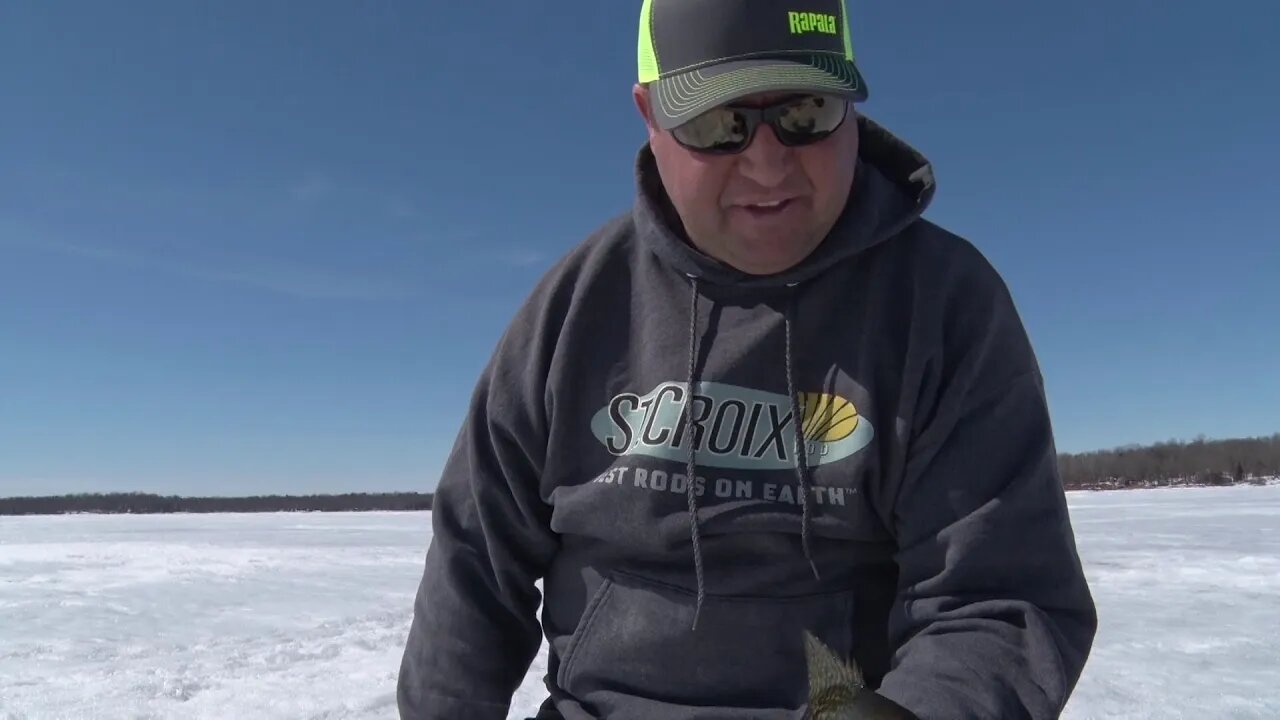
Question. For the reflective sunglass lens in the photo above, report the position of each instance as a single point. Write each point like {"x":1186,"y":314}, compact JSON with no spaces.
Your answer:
{"x":718,"y":129}
{"x":810,"y":119}
{"x":728,"y":129}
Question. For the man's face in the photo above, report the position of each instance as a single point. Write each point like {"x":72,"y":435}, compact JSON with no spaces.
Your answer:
{"x":723,"y":199}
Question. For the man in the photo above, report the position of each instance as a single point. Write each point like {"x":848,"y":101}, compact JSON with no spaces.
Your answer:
{"x":769,"y":399}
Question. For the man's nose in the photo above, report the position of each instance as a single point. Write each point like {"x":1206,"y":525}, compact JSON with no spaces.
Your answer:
{"x":766,"y":161}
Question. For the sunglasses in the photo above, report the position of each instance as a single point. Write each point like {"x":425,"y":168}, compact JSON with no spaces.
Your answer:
{"x":796,"y":122}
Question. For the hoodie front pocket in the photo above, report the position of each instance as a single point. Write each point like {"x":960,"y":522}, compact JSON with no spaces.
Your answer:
{"x":635,"y":648}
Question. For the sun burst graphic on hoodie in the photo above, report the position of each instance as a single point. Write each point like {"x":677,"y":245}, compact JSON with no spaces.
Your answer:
{"x":826,"y":417}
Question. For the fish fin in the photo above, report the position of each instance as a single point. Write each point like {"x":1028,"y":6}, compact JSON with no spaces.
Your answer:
{"x":827,"y":670}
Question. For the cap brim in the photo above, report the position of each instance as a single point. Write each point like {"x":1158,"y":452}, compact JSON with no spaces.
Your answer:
{"x":680,"y":97}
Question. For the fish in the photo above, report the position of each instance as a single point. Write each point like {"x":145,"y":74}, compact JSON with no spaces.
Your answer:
{"x":835,"y":685}
{"x":838,"y":689}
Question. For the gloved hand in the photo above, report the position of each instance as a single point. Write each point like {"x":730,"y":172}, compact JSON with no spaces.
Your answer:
{"x":874,"y":706}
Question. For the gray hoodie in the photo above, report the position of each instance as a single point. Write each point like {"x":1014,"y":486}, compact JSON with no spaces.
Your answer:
{"x":922,"y":531}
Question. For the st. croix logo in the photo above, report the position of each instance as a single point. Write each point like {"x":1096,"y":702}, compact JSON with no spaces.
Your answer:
{"x":734,"y":427}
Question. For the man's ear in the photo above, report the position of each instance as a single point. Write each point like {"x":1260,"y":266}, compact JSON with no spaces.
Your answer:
{"x":640,"y":94}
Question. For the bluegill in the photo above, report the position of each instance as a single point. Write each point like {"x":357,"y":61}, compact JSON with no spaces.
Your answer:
{"x":838,"y":690}
{"x":834,"y":684}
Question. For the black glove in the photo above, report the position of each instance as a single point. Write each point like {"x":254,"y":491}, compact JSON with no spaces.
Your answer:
{"x":874,"y":706}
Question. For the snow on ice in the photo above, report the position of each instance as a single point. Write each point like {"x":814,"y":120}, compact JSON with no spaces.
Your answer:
{"x":304,"y":615}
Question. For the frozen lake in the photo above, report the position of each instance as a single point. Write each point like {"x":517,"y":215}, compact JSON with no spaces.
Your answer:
{"x":304,"y":615}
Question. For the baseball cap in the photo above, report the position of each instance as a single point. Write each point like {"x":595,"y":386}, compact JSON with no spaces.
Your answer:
{"x":701,"y":53}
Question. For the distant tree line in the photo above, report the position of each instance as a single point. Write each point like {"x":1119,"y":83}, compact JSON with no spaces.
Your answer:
{"x":148,"y":503}
{"x":1198,"y":462}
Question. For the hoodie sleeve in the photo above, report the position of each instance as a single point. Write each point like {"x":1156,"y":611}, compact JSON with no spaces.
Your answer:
{"x":993,"y":618}
{"x":474,"y":630}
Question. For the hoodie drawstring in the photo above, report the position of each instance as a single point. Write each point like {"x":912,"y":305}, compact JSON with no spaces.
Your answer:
{"x":688,"y":426}
{"x":802,"y":451}
{"x":802,"y":460}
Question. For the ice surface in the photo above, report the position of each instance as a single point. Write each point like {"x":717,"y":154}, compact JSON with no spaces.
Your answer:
{"x":1187,"y":582}
{"x":304,"y":615}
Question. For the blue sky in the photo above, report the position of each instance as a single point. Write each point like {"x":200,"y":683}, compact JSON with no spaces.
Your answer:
{"x":250,"y":247}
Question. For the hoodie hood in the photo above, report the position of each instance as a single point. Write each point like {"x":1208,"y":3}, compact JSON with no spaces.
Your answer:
{"x":892,"y":186}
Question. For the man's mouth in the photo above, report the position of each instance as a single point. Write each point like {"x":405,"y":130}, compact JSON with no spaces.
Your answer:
{"x":771,"y":207}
